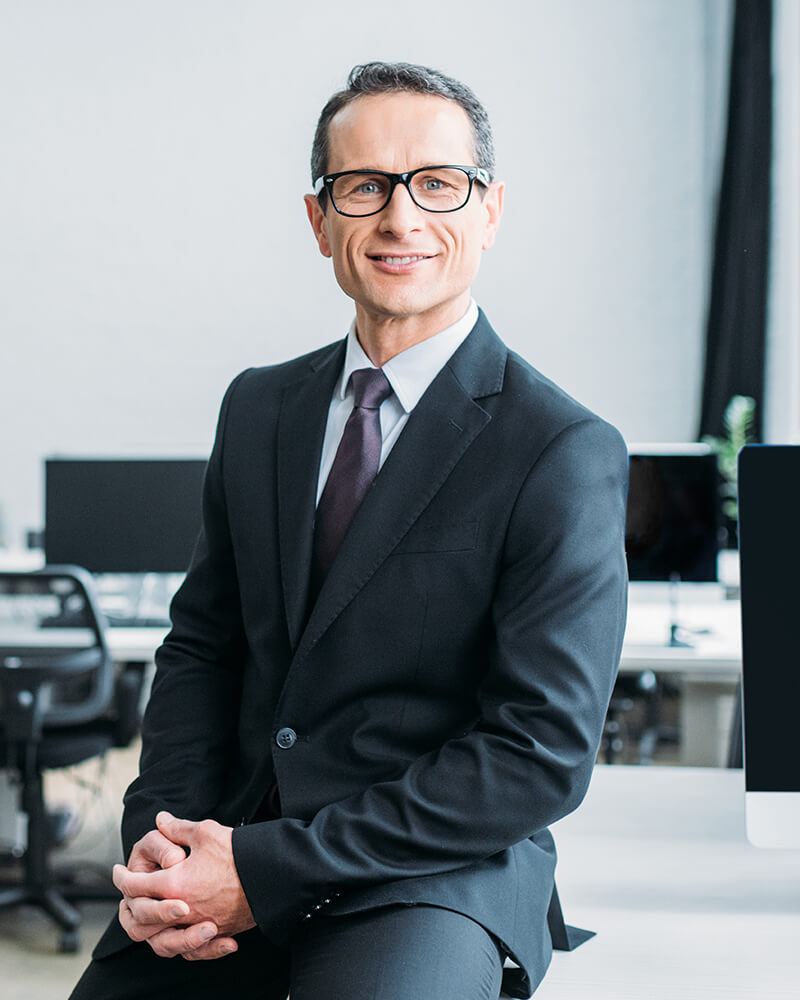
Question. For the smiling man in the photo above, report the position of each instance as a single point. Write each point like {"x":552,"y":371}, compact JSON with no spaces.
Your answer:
{"x":391,"y":658}
{"x":406,"y":246}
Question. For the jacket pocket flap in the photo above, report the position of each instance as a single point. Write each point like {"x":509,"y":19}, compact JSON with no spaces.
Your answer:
{"x":440,"y":537}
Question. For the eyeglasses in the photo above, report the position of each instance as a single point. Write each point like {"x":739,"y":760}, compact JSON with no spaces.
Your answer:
{"x":357,"y":193}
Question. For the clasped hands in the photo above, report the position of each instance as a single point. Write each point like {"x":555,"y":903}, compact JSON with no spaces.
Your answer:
{"x":189,"y":904}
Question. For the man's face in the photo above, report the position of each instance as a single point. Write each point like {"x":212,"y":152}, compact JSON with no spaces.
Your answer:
{"x":399,"y":132}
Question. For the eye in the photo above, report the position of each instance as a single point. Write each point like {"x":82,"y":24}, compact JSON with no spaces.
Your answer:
{"x":359,"y":188}
{"x":433,"y":184}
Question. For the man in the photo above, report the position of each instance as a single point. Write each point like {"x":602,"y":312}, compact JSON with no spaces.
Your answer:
{"x":392,"y":655}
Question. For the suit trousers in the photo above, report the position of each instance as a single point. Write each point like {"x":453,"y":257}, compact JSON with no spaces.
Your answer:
{"x":392,"y":953}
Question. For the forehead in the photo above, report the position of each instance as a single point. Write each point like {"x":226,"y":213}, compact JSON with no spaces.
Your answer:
{"x":399,"y":132}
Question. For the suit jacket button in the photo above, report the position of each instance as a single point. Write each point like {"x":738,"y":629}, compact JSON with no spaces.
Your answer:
{"x":286,"y":738}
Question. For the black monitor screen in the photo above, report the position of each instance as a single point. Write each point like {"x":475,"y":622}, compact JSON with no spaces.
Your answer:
{"x":769,"y":551}
{"x":672,"y":522}
{"x":122,"y":515}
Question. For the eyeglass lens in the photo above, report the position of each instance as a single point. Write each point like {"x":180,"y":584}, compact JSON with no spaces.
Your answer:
{"x":441,"y":189}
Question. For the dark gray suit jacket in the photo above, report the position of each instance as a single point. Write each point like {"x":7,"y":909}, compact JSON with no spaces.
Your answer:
{"x":442,"y":702}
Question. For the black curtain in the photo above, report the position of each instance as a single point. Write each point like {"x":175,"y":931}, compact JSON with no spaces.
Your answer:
{"x":735,"y":333}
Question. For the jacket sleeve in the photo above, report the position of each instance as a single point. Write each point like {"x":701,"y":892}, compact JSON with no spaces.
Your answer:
{"x":558,"y":619}
{"x":190,"y":721}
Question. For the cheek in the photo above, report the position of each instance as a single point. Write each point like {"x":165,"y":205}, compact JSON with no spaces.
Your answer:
{"x":465,"y":245}
{"x":344,"y":264}
{"x":345,"y":256}
{"x":466,"y":252}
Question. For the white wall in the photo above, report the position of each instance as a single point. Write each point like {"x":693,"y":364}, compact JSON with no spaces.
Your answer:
{"x":152,"y":232}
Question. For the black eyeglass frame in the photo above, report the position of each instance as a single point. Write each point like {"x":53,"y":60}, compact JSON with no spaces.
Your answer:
{"x":326,"y":183}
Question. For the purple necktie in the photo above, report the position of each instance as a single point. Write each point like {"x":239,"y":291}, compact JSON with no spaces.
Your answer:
{"x":353,"y":471}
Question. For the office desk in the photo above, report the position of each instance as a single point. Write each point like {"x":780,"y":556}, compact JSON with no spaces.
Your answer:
{"x":707,"y":671}
{"x":716,"y":655}
{"x":656,"y":862}
{"x":712,"y":629}
{"x":134,"y":644}
{"x":125,"y":644}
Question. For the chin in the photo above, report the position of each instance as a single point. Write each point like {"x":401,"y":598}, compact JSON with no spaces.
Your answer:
{"x":401,"y":302}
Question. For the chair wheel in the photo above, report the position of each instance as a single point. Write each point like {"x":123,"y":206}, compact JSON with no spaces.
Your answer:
{"x":69,"y":942}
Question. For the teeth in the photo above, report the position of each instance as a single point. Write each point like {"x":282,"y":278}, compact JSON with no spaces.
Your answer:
{"x":400,"y":260}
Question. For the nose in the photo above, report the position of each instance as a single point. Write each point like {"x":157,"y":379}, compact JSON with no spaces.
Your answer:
{"x":401,"y":216}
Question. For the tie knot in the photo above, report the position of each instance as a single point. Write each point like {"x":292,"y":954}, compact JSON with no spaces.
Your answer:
{"x":370,"y":388}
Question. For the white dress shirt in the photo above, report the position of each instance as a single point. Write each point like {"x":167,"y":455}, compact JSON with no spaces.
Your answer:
{"x":409,"y":374}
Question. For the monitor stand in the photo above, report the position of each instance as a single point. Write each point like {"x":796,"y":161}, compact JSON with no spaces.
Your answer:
{"x":674,"y":627}
{"x":772,"y":819}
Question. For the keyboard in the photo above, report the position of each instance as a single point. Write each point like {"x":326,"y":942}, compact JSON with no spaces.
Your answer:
{"x":132,"y":621}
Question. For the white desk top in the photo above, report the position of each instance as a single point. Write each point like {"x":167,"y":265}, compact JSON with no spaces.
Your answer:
{"x":656,"y":862}
{"x":135,"y":643}
{"x":125,"y":643}
{"x":713,"y":628}
{"x":716,"y":654}
{"x":712,"y":624}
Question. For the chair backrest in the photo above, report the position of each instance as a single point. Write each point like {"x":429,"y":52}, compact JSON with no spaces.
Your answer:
{"x":52,"y":647}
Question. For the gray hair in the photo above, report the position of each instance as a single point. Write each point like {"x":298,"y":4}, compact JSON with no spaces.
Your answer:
{"x":387,"y":78}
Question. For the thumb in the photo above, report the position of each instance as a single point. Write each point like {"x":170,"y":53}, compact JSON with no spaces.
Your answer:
{"x":179,"y":831}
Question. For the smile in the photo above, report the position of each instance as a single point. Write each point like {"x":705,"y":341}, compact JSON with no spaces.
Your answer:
{"x":398,"y":260}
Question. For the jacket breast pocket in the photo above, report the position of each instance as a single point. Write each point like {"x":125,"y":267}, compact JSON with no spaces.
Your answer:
{"x":445,"y":536}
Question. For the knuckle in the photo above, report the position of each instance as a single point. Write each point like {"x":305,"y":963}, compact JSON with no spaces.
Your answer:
{"x":128,"y":924}
{"x":161,"y":949}
{"x":170,"y":889}
{"x":145,"y":918}
{"x":194,"y":940}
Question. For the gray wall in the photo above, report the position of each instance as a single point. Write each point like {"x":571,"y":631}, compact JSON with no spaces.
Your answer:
{"x":782,"y":414}
{"x":153,"y":239}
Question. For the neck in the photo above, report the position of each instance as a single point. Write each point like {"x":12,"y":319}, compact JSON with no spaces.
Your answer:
{"x":382,"y":337}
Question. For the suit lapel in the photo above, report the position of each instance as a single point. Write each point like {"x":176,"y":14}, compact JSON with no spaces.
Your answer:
{"x":301,"y":430}
{"x":441,"y":428}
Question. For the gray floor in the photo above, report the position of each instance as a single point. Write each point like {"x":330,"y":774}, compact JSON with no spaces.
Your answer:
{"x":31,"y":967}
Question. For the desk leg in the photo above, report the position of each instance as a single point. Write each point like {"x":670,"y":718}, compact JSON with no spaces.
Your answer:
{"x":706,"y":714}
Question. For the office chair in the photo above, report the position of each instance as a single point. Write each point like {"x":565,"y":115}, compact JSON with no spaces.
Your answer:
{"x":645,"y":690}
{"x":59,"y":705}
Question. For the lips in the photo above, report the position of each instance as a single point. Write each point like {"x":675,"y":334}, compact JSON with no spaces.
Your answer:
{"x":399,"y":264}
{"x":392,"y":259}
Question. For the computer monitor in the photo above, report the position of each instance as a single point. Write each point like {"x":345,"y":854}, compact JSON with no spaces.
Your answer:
{"x":122,"y":515}
{"x":673,"y":514}
{"x":769,"y":555}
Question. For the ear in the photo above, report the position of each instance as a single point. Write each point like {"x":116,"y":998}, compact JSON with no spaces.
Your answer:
{"x":318,"y":223}
{"x":493,"y":207}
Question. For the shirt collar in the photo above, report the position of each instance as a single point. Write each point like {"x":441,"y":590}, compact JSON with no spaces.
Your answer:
{"x":412,"y":371}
